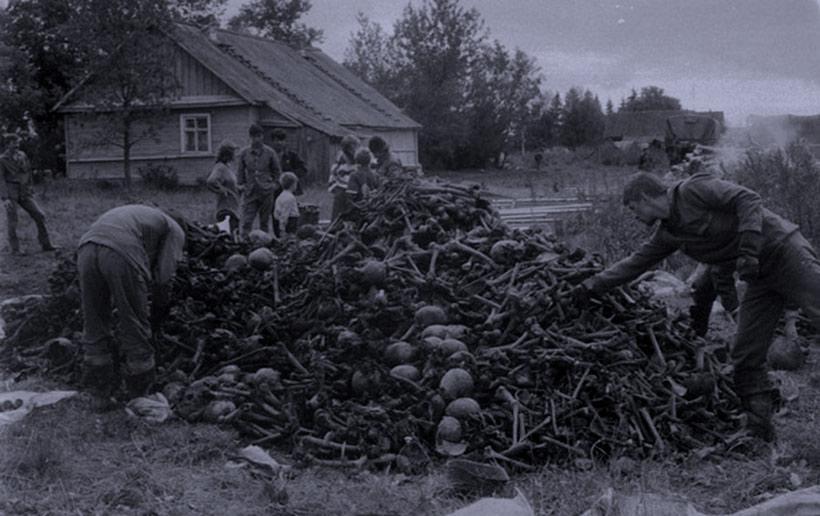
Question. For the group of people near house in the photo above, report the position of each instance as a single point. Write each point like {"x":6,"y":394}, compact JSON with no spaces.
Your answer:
{"x":132,"y":251}
{"x":267,"y":180}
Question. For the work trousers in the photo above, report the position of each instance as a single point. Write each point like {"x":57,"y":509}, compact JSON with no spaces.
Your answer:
{"x":108,"y":281}
{"x":257,"y":203}
{"x":22,"y":196}
{"x":708,"y":284}
{"x":790,"y":275}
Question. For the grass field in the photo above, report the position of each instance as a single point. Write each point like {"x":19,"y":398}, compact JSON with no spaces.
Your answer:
{"x":67,"y":460}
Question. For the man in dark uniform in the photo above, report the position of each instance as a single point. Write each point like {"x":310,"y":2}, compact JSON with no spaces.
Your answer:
{"x":290,"y":162}
{"x":723,"y":224}
{"x":16,"y":190}
{"x":288,"y":159}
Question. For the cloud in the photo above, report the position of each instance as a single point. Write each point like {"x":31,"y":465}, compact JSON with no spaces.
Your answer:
{"x":741,"y":56}
{"x":564,"y":69}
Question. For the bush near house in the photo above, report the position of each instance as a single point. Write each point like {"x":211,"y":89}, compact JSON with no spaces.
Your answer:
{"x":160,"y":176}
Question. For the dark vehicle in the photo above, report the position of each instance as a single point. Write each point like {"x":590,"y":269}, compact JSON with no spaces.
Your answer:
{"x":684,"y":132}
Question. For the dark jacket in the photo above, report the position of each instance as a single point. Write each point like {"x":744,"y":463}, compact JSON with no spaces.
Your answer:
{"x":706,"y":218}
{"x":258,"y":170}
{"x":15,"y":174}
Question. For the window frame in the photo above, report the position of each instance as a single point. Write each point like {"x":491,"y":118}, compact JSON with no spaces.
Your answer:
{"x":183,"y":131}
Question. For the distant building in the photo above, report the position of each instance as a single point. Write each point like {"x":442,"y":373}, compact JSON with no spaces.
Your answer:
{"x":231,"y":80}
{"x":645,"y":126}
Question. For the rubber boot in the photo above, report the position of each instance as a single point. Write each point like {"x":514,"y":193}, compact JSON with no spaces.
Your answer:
{"x":102,"y":382}
{"x":759,"y":409}
{"x":137,"y":385}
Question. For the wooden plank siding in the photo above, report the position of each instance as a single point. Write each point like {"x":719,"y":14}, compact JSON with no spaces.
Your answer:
{"x":196,"y":80}
{"x":189,"y":170}
{"x":85,"y":159}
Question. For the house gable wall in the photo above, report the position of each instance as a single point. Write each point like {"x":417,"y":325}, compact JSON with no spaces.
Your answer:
{"x":195,"y":80}
{"x":86,"y":159}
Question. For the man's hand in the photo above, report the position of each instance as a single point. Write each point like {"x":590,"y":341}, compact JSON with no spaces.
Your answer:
{"x":748,"y":268}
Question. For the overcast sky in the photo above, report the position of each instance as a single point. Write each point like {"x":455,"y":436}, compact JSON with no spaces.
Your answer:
{"x":738,"y":56}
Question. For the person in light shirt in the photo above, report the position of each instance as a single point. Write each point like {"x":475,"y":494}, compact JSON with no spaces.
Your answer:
{"x":286,"y":210}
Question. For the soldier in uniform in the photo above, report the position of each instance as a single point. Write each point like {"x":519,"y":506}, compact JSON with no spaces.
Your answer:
{"x":16,"y":190}
{"x":725,"y":225}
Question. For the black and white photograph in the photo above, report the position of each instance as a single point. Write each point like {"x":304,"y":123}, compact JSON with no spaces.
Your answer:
{"x":409,"y":257}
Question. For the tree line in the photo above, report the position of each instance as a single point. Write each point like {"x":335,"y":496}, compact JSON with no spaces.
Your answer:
{"x":474,"y":97}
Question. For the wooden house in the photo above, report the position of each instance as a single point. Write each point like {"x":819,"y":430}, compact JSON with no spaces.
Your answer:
{"x":229,"y":81}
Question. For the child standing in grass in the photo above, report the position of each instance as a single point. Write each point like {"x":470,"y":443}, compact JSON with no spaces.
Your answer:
{"x":222,"y":181}
{"x":286,"y":210}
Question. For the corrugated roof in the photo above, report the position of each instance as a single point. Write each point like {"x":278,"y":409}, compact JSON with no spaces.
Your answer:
{"x":238,"y":73}
{"x":307,"y":87}
{"x":316,"y":82}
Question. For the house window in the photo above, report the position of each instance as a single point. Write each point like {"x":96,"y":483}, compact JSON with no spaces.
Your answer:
{"x":196,"y":133}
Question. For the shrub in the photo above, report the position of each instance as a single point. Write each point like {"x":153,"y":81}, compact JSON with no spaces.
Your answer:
{"x":610,"y":230}
{"x":106,"y":184}
{"x":162,"y":177}
{"x":788,"y":181}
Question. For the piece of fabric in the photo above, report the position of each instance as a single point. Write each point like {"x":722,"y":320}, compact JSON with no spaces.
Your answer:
{"x":706,"y":219}
{"x":258,"y":170}
{"x":108,"y":280}
{"x":29,"y":400}
{"x":148,"y":239}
